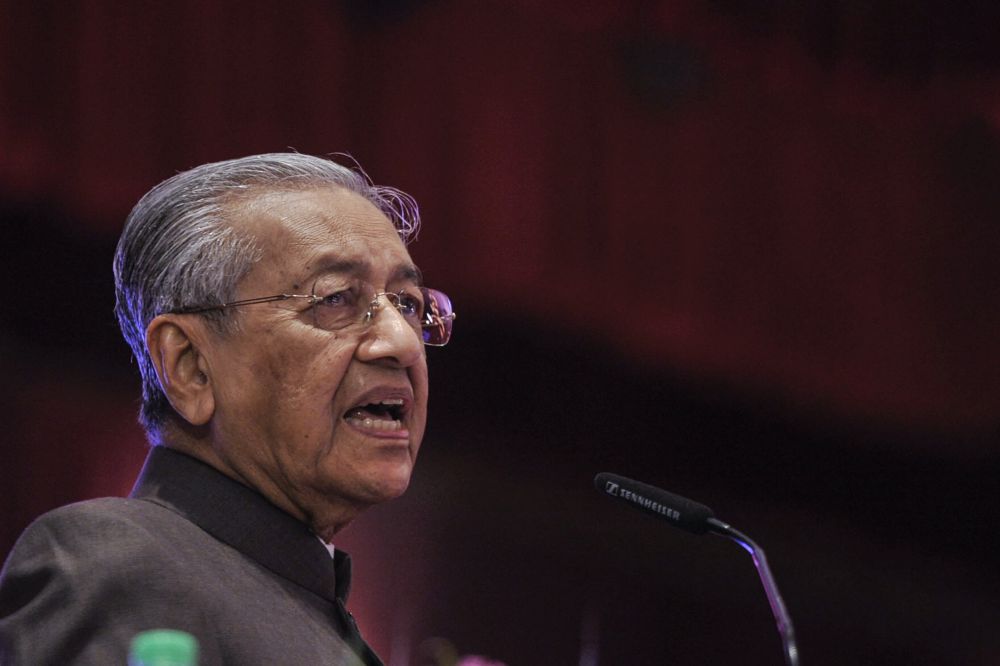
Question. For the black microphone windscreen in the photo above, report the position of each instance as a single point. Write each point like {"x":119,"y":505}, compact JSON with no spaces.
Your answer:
{"x":679,"y":511}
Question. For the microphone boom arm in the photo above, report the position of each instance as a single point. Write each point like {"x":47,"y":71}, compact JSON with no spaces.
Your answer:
{"x":781,"y":617}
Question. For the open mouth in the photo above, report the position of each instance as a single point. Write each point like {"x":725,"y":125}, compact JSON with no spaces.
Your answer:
{"x":384,"y":415}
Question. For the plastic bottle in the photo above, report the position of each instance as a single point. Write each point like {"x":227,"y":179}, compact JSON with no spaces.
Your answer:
{"x":163,"y":647}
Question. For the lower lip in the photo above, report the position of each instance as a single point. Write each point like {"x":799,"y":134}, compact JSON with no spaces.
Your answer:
{"x":401,"y":434}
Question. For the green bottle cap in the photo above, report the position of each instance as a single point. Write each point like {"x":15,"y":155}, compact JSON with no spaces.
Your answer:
{"x":163,"y":647}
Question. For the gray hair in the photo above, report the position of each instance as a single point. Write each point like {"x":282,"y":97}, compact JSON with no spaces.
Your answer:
{"x":181,"y":246}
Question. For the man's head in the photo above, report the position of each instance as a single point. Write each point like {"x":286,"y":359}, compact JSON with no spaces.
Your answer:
{"x":316,"y":394}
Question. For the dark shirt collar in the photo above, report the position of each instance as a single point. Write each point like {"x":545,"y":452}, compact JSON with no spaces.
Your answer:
{"x":244,"y":519}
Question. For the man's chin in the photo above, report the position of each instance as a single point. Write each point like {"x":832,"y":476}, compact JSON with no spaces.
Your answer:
{"x":338,"y":506}
{"x":391,"y":485}
{"x":388,"y":482}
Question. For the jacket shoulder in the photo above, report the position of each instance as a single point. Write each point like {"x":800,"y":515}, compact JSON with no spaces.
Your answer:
{"x":89,"y":572}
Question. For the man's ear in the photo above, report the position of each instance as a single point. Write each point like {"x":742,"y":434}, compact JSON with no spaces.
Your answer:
{"x":172,"y":343}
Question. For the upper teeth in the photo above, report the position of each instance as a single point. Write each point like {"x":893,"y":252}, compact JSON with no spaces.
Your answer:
{"x":391,"y":401}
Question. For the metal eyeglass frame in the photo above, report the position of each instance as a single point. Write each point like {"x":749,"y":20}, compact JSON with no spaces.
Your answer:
{"x":391,"y":296}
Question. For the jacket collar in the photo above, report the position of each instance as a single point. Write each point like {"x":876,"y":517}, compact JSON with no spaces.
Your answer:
{"x":244,"y":519}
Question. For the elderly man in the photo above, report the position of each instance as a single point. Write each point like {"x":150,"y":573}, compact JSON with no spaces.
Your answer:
{"x":279,"y":325}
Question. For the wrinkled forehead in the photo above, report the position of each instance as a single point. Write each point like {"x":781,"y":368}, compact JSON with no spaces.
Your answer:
{"x":304,"y":234}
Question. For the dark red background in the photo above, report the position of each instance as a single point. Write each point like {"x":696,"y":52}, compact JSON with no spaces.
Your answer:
{"x":746,"y":254}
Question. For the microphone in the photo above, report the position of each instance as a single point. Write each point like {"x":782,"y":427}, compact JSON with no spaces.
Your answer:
{"x":697,"y":518}
{"x":676,"y":510}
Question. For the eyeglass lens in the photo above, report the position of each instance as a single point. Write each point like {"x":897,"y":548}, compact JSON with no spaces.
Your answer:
{"x":428,"y":311}
{"x":438,"y":317}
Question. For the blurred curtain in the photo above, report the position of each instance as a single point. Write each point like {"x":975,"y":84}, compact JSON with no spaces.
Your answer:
{"x":648,"y":173}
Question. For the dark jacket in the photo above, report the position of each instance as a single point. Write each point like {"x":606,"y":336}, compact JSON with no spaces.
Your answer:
{"x":190,"y":549}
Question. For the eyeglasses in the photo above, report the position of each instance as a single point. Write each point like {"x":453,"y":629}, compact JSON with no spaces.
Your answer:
{"x":334,"y":307}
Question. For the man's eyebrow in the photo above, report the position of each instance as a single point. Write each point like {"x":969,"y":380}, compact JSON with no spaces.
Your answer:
{"x":357,"y":267}
{"x":334,"y":265}
{"x":408,"y":272}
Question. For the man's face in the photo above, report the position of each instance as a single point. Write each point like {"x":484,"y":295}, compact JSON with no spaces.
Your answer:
{"x":322,"y":422}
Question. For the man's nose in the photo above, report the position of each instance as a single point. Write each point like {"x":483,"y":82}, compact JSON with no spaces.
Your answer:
{"x":390,"y":336}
